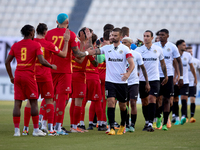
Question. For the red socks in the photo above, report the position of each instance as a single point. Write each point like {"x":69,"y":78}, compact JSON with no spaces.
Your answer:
{"x":92,"y":111}
{"x":60,"y":107}
{"x":77,"y":114}
{"x":98,"y":110}
{"x":50,"y":113}
{"x":104,"y":103}
{"x":83,"y":109}
{"x":27,"y":116}
{"x":42,"y":107}
{"x":95,"y":107}
{"x":35,"y":120}
{"x":16,"y":121}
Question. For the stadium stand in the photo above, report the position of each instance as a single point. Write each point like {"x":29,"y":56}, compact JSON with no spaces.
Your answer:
{"x":180,"y":17}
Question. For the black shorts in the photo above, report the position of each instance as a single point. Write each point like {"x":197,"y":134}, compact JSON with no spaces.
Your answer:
{"x":167,"y":90}
{"x":184,"y":90}
{"x":176,"y":91}
{"x":119,"y":91}
{"x":192,"y":91}
{"x":155,"y":87}
{"x":133,"y":91}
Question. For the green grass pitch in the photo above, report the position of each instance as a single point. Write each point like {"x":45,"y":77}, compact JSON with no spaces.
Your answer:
{"x":185,"y":136}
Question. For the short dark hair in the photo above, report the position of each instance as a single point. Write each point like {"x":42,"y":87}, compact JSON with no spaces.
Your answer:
{"x":164,"y":30}
{"x":108,"y":27}
{"x":26,"y":30}
{"x":157,"y":33}
{"x":150,"y":32}
{"x":179,"y":42}
{"x":106,"y":35}
{"x":117,"y":30}
{"x":94,"y":38}
{"x":125,"y":31}
{"x":41,"y":28}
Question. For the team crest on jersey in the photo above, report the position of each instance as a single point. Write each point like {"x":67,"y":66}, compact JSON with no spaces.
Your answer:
{"x":168,"y":49}
{"x":185,"y":59}
{"x":155,"y":51}
{"x":195,"y":64}
{"x":56,"y":48}
{"x":121,"y":51}
{"x":76,"y":39}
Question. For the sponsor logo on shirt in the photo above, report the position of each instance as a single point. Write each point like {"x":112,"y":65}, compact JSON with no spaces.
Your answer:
{"x":121,"y":51}
{"x":168,"y":49}
{"x":109,"y":51}
{"x":115,"y":60}
{"x":149,"y":59}
{"x":184,"y":65}
{"x":167,"y":57}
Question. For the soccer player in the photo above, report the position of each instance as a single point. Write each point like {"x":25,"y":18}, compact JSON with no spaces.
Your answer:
{"x":79,"y":86}
{"x":125,"y":33}
{"x":151,"y":55}
{"x":192,"y":87}
{"x":102,"y":75}
{"x":44,"y":79}
{"x":184,"y":90}
{"x":25,"y":87}
{"x":62,"y":77}
{"x":133,"y":84}
{"x":116,"y":56}
{"x":94,"y":93}
{"x":170,"y":52}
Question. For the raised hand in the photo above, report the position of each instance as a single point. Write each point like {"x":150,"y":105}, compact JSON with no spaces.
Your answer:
{"x":88,"y":33}
{"x":82,"y":36}
{"x":66,"y":35}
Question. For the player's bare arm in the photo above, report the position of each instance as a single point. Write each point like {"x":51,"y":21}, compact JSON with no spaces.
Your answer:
{"x":66,"y":38}
{"x":164,"y":69}
{"x":78,"y":53}
{"x":180,"y":81}
{"x":147,"y":86}
{"x":96,"y":51}
{"x":194,"y":73}
{"x":79,"y":60}
{"x":131,"y":67}
{"x":94,"y":63}
{"x":8,"y":67}
{"x":176,"y":70}
{"x":45,"y":63}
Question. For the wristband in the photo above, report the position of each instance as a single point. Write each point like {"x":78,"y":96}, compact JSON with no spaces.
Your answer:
{"x":181,"y":77}
{"x":86,"y":53}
